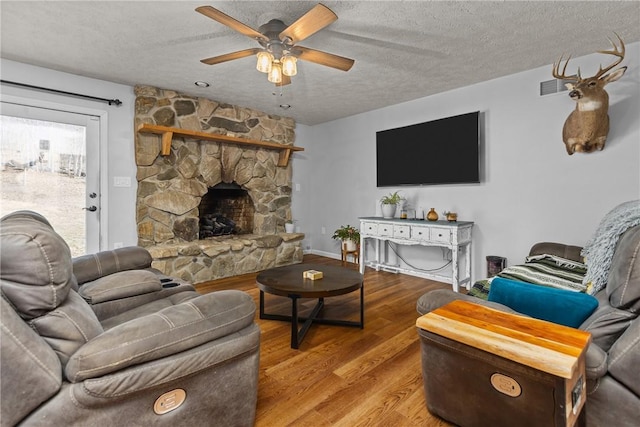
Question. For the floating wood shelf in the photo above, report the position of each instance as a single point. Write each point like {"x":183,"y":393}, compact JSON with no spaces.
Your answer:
{"x":168,"y":133}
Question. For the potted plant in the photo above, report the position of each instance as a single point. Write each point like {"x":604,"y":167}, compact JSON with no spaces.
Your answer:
{"x":349,"y":235}
{"x":390,"y":203}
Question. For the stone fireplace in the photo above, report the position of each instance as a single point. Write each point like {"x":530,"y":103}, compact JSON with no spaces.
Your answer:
{"x":243,"y":185}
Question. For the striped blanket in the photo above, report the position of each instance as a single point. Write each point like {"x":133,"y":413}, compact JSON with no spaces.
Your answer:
{"x":545,"y":270}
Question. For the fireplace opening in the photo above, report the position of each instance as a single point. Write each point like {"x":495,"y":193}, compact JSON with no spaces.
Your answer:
{"x":225,"y":209}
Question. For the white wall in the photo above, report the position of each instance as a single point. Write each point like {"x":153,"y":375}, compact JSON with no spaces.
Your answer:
{"x":531,"y":190}
{"x":301,"y":199}
{"x":118,"y":207}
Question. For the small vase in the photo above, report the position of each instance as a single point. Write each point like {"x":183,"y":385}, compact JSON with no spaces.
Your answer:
{"x":432,"y":215}
{"x":289,"y":227}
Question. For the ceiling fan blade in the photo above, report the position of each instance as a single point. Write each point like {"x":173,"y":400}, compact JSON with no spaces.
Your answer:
{"x":230,"y":22}
{"x":323,"y":58}
{"x":309,"y":23}
{"x":286,"y":80}
{"x":230,"y":56}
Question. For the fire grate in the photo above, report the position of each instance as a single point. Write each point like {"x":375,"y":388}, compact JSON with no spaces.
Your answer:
{"x":212,"y":225}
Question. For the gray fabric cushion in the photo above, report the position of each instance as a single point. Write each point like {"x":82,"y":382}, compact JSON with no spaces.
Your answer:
{"x":91,"y":267}
{"x":623,"y":285}
{"x":68,"y":327}
{"x":118,"y":312}
{"x":169,"y":331}
{"x":596,"y":362}
{"x":35,"y":267}
{"x":624,"y":358}
{"x":558,"y":249}
{"x":119,"y":285}
{"x":136,"y":378}
{"x":31,"y":372}
{"x":607,"y":323}
{"x":610,"y":404}
{"x":28,"y":214}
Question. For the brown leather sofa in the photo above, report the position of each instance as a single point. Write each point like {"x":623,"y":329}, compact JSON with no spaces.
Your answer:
{"x":613,"y":357}
{"x":106,"y":340}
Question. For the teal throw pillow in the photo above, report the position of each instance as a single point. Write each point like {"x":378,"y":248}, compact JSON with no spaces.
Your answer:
{"x":559,"y":306}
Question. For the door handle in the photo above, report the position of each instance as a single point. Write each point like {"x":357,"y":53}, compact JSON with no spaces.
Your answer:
{"x":91,"y":208}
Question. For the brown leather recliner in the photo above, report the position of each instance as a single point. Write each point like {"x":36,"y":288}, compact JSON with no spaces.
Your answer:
{"x":613,"y":357}
{"x":106,"y":340}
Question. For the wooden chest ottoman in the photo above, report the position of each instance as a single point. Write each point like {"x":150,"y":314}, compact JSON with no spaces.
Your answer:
{"x":484,"y":367}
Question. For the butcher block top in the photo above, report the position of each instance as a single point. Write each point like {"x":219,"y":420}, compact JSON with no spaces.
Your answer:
{"x":539,"y":344}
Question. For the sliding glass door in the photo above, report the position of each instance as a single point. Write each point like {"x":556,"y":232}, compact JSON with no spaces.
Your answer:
{"x":50,"y":163}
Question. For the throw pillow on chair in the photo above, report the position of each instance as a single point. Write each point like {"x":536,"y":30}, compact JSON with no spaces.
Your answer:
{"x":559,"y":306}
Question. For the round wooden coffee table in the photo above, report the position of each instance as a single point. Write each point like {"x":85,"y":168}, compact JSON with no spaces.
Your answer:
{"x":288,"y":281}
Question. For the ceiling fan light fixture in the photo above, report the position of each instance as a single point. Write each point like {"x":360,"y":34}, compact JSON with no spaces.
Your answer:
{"x":289,"y":67}
{"x":275,"y":75}
{"x":264,"y":61}
{"x":278,"y":42}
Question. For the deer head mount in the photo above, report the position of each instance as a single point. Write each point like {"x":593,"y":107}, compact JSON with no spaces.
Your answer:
{"x":587,"y":127}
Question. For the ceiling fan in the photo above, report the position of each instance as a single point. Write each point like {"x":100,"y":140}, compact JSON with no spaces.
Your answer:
{"x":280,"y":51}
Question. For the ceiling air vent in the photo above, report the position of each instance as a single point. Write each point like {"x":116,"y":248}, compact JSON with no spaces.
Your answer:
{"x":553,"y":86}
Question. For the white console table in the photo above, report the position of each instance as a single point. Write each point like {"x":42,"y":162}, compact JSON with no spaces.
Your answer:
{"x":454,"y":235}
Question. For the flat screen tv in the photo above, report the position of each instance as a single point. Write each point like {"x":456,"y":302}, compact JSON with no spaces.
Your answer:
{"x":443,"y":151}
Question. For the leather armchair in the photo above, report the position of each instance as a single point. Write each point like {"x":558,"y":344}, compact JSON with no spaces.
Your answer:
{"x":106,"y":340}
{"x":613,"y":357}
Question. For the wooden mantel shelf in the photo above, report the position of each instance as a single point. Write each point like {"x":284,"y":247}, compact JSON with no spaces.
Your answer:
{"x":168,"y":133}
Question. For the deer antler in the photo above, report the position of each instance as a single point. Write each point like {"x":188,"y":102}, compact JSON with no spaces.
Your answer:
{"x":615,"y":52}
{"x":556,"y":69}
{"x":577,"y":77}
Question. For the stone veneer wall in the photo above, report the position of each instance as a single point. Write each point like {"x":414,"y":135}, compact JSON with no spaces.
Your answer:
{"x":170,"y":188}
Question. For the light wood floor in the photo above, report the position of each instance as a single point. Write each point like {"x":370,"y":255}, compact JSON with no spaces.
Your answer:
{"x":343,"y":376}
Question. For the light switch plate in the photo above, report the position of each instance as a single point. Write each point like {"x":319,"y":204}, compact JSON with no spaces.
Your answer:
{"x":121,"y":181}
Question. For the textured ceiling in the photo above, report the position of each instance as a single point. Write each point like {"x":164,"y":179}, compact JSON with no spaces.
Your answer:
{"x":403,"y":50}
